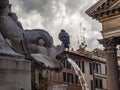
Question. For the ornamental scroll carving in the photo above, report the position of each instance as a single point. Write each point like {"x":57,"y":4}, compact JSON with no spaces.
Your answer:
{"x":109,"y":44}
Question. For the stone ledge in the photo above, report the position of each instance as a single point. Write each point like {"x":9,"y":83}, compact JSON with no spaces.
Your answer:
{"x":15,"y":64}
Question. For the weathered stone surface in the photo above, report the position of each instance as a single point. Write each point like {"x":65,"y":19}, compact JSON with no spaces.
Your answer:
{"x":5,"y":48}
{"x":16,"y":45}
{"x":15,"y":74}
{"x":58,"y":87}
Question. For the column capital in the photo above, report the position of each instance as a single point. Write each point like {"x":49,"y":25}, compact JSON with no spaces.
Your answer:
{"x":109,"y":44}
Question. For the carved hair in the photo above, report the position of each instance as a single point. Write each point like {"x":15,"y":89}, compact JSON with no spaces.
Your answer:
{"x":38,"y":34}
{"x":37,"y":41}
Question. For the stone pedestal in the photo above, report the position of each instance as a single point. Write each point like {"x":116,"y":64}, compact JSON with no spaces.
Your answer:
{"x":40,"y":77}
{"x":15,"y":73}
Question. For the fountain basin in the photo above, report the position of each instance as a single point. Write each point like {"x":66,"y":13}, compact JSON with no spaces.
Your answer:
{"x":15,"y":74}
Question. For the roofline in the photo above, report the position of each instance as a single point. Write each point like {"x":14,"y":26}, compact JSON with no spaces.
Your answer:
{"x":95,"y":14}
{"x":90,"y":59}
{"x":92,"y":8}
{"x":99,"y":61}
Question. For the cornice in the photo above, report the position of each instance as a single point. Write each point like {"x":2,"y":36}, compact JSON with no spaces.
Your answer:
{"x":93,"y":8}
{"x":105,"y":9}
{"x":106,"y":13}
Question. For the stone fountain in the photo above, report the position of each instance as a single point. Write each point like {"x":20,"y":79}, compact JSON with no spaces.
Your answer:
{"x":26,"y":56}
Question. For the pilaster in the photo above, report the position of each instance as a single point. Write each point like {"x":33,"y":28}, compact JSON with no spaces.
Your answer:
{"x":111,"y":60}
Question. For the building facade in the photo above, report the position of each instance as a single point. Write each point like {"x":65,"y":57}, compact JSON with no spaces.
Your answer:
{"x":100,"y":70}
{"x":107,"y":12}
{"x":93,"y":66}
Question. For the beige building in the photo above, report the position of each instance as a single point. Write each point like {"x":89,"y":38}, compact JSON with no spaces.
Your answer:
{"x":96,"y":69}
{"x":100,"y":70}
{"x":93,"y":66}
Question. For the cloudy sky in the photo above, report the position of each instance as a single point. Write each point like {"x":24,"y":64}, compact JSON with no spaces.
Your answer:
{"x":54,"y":15}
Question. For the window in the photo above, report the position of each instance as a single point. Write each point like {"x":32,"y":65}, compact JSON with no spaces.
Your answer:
{"x":83,"y":67}
{"x":91,"y":70}
{"x":78,"y":63}
{"x":63,"y":61}
{"x":119,"y":73}
{"x":64,"y":77}
{"x":101,"y":83}
{"x":66,"y":64}
{"x":98,"y":83}
{"x":91,"y":84}
{"x":69,"y":77}
{"x":97,"y":68}
{"x":77,"y":81}
{"x":105,"y":69}
{"x":119,"y":77}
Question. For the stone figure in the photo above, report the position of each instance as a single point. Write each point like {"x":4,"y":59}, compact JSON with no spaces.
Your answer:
{"x":64,"y":37}
{"x":32,"y":37}
{"x":21,"y":40}
{"x":35,"y":45}
{"x":10,"y":29}
{"x":41,"y":46}
{"x":14,"y":16}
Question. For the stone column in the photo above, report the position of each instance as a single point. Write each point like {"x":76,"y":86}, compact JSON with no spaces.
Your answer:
{"x":112,"y":64}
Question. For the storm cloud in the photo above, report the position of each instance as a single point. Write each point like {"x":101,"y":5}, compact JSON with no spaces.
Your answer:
{"x":54,"y":15}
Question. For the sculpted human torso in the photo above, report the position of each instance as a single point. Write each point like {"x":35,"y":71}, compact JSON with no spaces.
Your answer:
{"x":41,"y":48}
{"x":47,"y":55}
